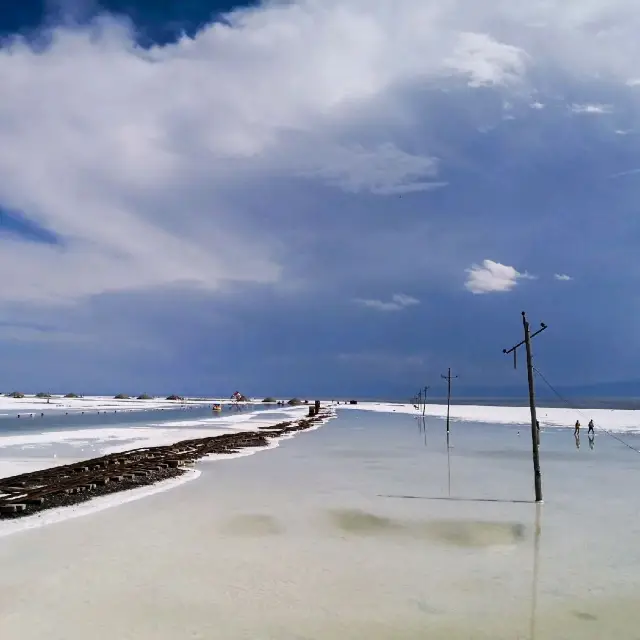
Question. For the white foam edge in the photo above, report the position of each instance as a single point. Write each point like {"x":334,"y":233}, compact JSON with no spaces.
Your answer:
{"x":273,"y":443}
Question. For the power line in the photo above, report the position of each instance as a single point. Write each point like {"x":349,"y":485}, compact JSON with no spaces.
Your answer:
{"x":570,"y":405}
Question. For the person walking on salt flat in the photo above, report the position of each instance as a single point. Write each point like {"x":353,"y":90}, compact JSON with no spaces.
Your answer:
{"x":591,"y":430}
{"x":576,"y":431}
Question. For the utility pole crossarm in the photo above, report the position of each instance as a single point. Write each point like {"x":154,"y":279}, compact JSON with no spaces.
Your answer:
{"x":543,"y":326}
{"x":533,"y":335}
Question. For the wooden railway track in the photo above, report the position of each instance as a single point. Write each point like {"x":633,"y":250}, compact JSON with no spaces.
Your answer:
{"x":29,"y":493}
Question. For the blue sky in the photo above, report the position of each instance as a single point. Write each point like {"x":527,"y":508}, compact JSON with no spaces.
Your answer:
{"x":340,"y":197}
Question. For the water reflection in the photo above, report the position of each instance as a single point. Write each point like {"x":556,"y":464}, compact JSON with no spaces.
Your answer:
{"x":536,"y":570}
{"x":449,"y":463}
{"x":372,"y":569}
{"x":422,"y":428}
{"x":537,"y":529}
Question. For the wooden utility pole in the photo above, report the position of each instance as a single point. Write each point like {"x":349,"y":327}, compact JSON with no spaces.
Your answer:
{"x":532,"y":401}
{"x":424,"y":401}
{"x":448,"y":378}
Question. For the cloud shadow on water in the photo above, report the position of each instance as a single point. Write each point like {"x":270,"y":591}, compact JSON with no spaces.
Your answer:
{"x":457,"y":533}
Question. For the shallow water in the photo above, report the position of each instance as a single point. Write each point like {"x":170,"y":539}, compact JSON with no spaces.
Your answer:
{"x":355,"y":531}
{"x":96,"y":418}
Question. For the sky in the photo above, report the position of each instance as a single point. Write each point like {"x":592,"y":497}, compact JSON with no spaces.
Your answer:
{"x":329,"y":197}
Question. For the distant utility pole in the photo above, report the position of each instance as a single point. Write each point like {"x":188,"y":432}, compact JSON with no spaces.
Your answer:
{"x":424,"y":401}
{"x":448,"y":378}
{"x":532,"y":403}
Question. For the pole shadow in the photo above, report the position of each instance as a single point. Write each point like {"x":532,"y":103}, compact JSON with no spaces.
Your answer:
{"x":455,"y":499}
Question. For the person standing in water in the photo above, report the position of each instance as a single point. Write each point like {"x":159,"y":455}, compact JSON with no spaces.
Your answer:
{"x":591,"y":430}
{"x":576,"y":431}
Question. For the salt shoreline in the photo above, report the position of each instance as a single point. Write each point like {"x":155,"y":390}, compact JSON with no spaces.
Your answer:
{"x":615,"y":420}
{"x":619,"y":420}
{"x":31,"y":404}
{"x":91,"y":441}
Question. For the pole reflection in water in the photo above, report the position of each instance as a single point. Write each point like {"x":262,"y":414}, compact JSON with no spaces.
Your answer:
{"x":536,"y":562}
{"x":449,"y":462}
{"x":422,"y":428}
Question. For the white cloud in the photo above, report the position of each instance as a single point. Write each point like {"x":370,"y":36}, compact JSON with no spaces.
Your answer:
{"x":385,"y":170}
{"x":563,"y":277}
{"x":492,"y":276}
{"x":537,"y":105}
{"x":129,"y":155}
{"x":621,"y":174}
{"x":398,"y":302}
{"x":596,"y":109}
{"x":485,"y":61}
{"x":123,"y":152}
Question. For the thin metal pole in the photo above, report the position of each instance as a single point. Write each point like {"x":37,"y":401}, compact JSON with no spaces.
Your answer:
{"x":448,"y":398}
{"x":448,"y":378}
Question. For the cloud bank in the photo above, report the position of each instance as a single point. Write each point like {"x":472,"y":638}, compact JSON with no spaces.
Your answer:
{"x":310,"y":150}
{"x":128,"y":154}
